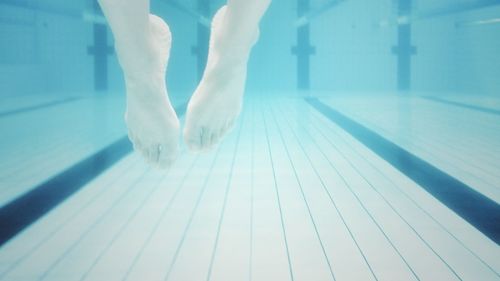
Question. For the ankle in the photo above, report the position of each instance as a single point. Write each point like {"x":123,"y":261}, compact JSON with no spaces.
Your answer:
{"x":147,"y":88}
{"x":234,"y":48}
{"x":220,"y":69}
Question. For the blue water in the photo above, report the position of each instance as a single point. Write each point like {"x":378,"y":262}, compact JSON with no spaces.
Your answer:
{"x":44,"y":47}
{"x":368,"y":148}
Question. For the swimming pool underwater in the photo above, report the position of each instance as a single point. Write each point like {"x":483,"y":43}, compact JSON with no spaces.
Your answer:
{"x":309,"y":186}
{"x":368,"y":147}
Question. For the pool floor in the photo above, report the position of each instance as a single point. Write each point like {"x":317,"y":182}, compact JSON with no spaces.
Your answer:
{"x":288,"y":195}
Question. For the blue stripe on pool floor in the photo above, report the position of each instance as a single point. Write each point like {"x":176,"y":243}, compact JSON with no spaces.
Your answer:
{"x":477,"y":209}
{"x":464,"y":105}
{"x":37,"y":107}
{"x":21,"y":212}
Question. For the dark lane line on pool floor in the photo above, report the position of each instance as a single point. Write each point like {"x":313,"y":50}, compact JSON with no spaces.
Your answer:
{"x":480,"y":211}
{"x":38,"y":106}
{"x":463,"y":105}
{"x":21,"y":212}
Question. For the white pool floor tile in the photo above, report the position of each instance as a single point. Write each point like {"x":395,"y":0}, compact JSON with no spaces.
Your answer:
{"x":288,"y":195}
{"x":38,"y":144}
{"x":462,"y":142}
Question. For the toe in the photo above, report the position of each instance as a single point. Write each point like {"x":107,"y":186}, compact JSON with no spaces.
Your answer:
{"x":134,"y":140}
{"x":230,"y":125}
{"x":154,"y":153}
{"x":205,"y":138}
{"x":168,"y":154}
{"x":214,"y":139}
{"x":138,"y":145}
{"x":144,"y":153}
{"x":193,"y":139}
{"x":150,"y":154}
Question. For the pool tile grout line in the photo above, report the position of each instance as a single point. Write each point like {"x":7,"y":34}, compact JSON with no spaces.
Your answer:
{"x":480,"y":211}
{"x":26,"y":209}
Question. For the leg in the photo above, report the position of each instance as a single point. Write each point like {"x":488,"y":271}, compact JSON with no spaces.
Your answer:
{"x":142,"y":43}
{"x":129,"y":20}
{"x":216,"y":103}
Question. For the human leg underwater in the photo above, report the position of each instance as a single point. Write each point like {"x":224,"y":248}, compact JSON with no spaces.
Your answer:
{"x":217,"y":101}
{"x":142,"y":43}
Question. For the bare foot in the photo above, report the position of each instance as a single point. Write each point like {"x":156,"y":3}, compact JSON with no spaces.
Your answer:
{"x":217,"y":101}
{"x":153,"y":126}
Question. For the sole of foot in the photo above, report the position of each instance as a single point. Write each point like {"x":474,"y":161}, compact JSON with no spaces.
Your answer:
{"x":153,"y":126}
{"x":217,"y":101}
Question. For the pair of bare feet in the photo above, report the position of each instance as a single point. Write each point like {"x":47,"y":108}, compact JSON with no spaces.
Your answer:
{"x":153,"y":125}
